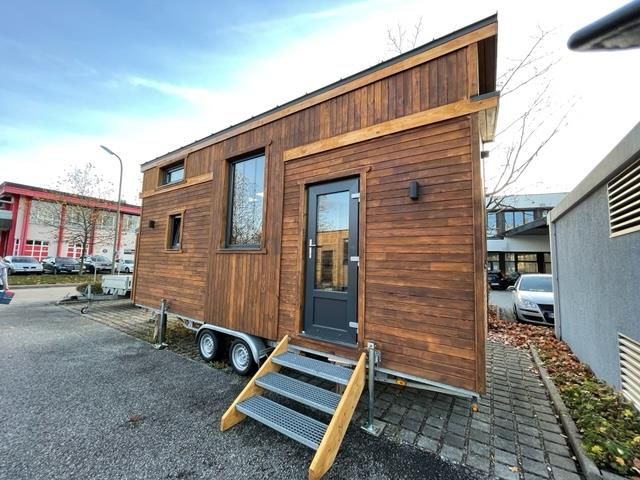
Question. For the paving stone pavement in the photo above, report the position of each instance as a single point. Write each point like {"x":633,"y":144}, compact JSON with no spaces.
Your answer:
{"x":513,"y":435}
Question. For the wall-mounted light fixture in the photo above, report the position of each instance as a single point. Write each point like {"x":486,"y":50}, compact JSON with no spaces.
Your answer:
{"x":152,"y":224}
{"x":484,"y":154}
{"x":414,"y":190}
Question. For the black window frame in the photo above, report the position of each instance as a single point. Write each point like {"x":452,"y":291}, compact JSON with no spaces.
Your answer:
{"x":165,"y":173}
{"x":170,"y":245}
{"x":230,"y":192}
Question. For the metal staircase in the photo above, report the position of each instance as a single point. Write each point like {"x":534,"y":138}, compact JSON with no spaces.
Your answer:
{"x":324,"y":438}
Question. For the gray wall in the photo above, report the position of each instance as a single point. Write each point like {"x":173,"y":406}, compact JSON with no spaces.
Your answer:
{"x":598,"y":284}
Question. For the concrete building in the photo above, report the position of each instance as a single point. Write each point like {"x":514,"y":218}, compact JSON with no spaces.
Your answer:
{"x":36,"y":221}
{"x":517,"y":233}
{"x":595,"y":232}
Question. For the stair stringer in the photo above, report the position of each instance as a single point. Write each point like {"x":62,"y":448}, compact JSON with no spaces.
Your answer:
{"x":328,"y":449}
{"x":232,"y":416}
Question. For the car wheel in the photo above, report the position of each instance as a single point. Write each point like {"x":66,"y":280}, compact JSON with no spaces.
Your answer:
{"x":240,"y":358}
{"x":208,"y":345}
{"x":127,"y":270}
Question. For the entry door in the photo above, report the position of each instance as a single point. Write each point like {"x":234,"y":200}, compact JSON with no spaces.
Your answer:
{"x":331,"y":254}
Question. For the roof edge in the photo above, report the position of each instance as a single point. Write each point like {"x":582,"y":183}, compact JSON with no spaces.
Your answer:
{"x":626,"y":151}
{"x":420,"y":49}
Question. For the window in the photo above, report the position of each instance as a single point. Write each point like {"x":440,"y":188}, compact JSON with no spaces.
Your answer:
{"x":174,"y":232}
{"x":492,"y":226}
{"x":493,"y":262}
{"x":326,"y":272}
{"x":37,"y":248}
{"x":172,"y":174}
{"x":246,"y":200}
{"x":107,"y":220}
{"x":74,"y":250}
{"x":514,"y":219}
{"x":547,"y":263}
{"x":623,"y":192}
{"x":130,"y":223}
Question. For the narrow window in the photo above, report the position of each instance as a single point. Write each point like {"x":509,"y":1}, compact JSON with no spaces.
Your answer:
{"x":172,"y":173}
{"x":246,"y":200}
{"x":174,"y":237}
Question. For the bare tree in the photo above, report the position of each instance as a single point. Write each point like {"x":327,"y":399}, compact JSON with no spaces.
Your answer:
{"x":534,"y":118}
{"x":81,"y":225}
{"x":400,"y":40}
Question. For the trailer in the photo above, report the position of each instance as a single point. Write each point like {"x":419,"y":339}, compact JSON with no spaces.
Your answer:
{"x":343,"y":229}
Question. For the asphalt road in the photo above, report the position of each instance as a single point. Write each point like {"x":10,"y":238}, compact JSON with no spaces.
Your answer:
{"x":80,"y":400}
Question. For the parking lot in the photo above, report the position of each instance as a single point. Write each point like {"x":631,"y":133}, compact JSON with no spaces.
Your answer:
{"x":82,"y":400}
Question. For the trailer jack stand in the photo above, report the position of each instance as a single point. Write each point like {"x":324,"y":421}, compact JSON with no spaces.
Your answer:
{"x":372,"y":427}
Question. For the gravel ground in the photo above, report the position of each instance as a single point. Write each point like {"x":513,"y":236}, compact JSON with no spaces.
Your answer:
{"x":81,"y":400}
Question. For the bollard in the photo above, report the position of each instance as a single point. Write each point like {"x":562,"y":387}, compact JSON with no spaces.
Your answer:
{"x":162,"y":325}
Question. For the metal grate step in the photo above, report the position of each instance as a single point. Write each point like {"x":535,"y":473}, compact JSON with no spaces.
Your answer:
{"x":293,"y":424}
{"x":314,"y":367}
{"x":315,"y":397}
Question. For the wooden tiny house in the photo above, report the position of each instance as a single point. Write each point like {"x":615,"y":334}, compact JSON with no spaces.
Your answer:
{"x":300,"y":222}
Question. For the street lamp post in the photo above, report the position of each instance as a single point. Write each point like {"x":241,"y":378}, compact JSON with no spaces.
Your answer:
{"x":115,"y":236}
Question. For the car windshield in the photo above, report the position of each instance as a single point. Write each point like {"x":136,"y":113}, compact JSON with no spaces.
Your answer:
{"x":66,"y":260}
{"x":128,"y":261}
{"x":24,"y":260}
{"x":536,"y":284}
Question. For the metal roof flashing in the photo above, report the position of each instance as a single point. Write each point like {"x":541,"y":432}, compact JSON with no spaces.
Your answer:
{"x":420,"y":49}
{"x":625,"y":152}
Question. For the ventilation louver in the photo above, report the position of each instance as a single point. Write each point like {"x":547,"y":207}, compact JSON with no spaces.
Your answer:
{"x":624,"y":201}
{"x":630,"y":368}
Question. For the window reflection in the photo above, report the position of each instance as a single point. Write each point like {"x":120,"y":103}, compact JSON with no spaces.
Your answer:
{"x":247,"y":184}
{"x":332,"y":262}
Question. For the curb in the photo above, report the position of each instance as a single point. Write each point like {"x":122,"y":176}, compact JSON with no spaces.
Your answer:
{"x":589,"y":469}
{"x":48,"y":285}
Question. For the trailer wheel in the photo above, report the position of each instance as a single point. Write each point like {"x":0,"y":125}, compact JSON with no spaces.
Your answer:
{"x":208,"y":345}
{"x":240,"y":358}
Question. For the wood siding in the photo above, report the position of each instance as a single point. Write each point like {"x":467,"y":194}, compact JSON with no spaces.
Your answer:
{"x":177,"y":276}
{"x":417,"y":299}
{"x":419,"y":285}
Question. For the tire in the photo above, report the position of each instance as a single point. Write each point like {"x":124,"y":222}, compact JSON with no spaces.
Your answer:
{"x":241,"y":358}
{"x":127,"y":270}
{"x":84,"y":310}
{"x":515,"y":314}
{"x":208,"y":345}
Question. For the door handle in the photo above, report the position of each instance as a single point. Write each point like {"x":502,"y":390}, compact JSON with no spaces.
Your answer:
{"x":311,"y":247}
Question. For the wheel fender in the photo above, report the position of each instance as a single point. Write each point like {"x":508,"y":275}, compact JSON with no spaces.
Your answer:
{"x":258,"y":348}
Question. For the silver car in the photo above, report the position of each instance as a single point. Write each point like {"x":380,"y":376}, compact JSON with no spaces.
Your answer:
{"x":533,"y":299}
{"x":23,"y":264}
{"x":97,"y":263}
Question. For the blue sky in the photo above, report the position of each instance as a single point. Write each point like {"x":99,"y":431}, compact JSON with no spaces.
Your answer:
{"x":77,"y":66}
{"x":145,"y":77}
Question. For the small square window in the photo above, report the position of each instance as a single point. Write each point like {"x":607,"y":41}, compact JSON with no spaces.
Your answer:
{"x":172,"y":174}
{"x":174,"y":232}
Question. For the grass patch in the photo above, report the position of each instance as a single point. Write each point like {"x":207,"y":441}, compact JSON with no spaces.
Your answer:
{"x":609,"y":424}
{"x":50,"y":279}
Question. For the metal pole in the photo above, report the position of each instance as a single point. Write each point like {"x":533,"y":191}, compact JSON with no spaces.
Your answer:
{"x":372,"y":427}
{"x":115,"y":235}
{"x":162,"y":325}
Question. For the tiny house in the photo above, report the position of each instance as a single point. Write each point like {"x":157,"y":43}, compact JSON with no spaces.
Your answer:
{"x":353,"y":214}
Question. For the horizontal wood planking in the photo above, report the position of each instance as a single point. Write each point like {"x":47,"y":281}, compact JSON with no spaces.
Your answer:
{"x":433,"y":301}
{"x":179,"y":277}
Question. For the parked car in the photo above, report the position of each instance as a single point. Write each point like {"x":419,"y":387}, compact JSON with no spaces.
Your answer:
{"x":512,"y":278}
{"x":533,"y":298}
{"x":22,"y":264}
{"x":97,"y":263}
{"x":61,"y":265}
{"x":496,"y":280}
{"x":125,"y":265}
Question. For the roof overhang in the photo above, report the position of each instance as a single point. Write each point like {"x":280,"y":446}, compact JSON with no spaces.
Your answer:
{"x":618,"y":30}
{"x":537,"y":227}
{"x":488,"y":118}
{"x":485,"y":29}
